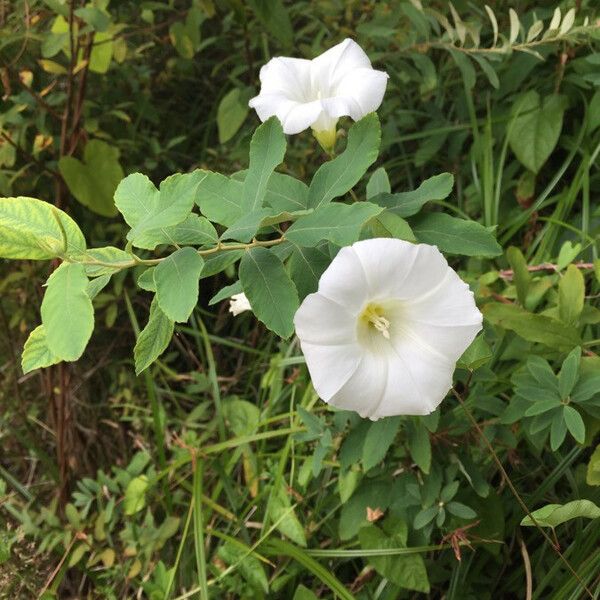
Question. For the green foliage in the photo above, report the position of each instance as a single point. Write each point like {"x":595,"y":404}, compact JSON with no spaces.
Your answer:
{"x":553,"y":515}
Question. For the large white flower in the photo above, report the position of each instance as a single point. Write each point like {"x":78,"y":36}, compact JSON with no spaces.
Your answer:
{"x":315,"y":93}
{"x":382,"y":334}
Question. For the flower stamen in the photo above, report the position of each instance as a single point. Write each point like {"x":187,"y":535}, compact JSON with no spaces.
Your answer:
{"x":372,"y":314}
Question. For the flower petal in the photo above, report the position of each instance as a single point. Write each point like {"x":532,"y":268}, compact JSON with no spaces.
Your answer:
{"x":344,"y":281}
{"x":329,"y":68}
{"x":290,"y":77}
{"x":362,"y":90}
{"x":330,"y":367}
{"x":319,"y":320}
{"x":364,"y":390}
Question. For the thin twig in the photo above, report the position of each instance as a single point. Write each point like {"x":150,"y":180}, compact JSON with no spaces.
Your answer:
{"x":509,"y":273}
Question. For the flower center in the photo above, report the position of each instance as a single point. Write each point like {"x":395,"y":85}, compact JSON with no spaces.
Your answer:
{"x":372,"y":315}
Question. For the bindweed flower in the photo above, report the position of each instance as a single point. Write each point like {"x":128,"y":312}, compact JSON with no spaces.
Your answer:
{"x":316,"y":93}
{"x":238,"y":303}
{"x":382,"y":334}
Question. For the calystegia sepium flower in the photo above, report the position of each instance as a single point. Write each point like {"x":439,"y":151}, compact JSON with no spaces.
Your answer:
{"x":382,"y":334}
{"x":316,"y":93}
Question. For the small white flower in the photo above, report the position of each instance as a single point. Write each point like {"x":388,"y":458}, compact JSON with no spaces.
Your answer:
{"x":315,"y":93}
{"x":238,"y":303}
{"x":382,"y":334}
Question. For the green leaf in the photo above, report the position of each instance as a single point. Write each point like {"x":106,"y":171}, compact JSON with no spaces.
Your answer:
{"x":35,"y":230}
{"x":571,"y":295}
{"x":338,"y":176}
{"x":285,"y":193}
{"x":533,"y":328}
{"x":153,"y":339}
{"x":535,"y":131}
{"x":407,"y":204}
{"x":407,"y":572}
{"x":379,"y":438}
{"x":460,"y":510}
{"x":246,"y":227}
{"x":67,"y":312}
{"x":419,"y":445}
{"x":521,"y":276}
{"x":267,"y":150}
{"x":593,"y":469}
{"x":303,"y":593}
{"x":146,"y":280}
{"x":136,"y":197}
{"x":240,"y":556}
{"x":274,"y":16}
{"x":93,"y":182}
{"x":36,"y":353}
{"x":389,"y":224}
{"x":226,"y":293}
{"x":176,"y":278}
{"x":242,"y":416}
{"x":104,"y":261}
{"x":370,"y":494}
{"x":476,"y":355}
{"x":171,"y":206}
{"x":335,"y":222}
{"x":98,"y":19}
{"x":379,"y":183}
{"x":456,"y":236}
{"x":135,"y":495}
{"x":193,"y":231}
{"x":102,"y":52}
{"x":567,"y":378}
{"x":306,"y":267}
{"x":231,"y":113}
{"x":558,"y":431}
{"x":269,"y":289}
{"x":553,"y":515}
{"x":425,"y":516}
{"x":284,"y":516}
{"x":220,"y":198}
{"x":574,"y":423}
{"x":96,"y":285}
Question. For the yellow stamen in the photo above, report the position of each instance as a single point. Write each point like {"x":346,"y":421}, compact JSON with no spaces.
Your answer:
{"x":372,"y":314}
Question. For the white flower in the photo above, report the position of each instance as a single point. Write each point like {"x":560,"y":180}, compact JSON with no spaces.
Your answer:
{"x":238,"y":303}
{"x":315,"y":93}
{"x":382,"y":334}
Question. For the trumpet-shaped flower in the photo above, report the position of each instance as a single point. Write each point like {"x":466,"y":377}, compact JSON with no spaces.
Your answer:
{"x":316,"y":93}
{"x":238,"y":303}
{"x":382,"y":334}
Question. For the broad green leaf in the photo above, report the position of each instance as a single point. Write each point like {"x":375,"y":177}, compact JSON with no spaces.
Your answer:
{"x":220,"y":198}
{"x":569,"y":372}
{"x":407,"y":204}
{"x":176,"y":279}
{"x":102,"y":52}
{"x":460,"y":510}
{"x":67,"y":312}
{"x":269,"y":289}
{"x":419,"y":445}
{"x":136,"y":197}
{"x":35,"y":230}
{"x":285,"y":193}
{"x":146,"y":280}
{"x":532,"y":327}
{"x":284,"y":516}
{"x":36,"y":354}
{"x":338,"y":176}
{"x":476,"y":355}
{"x":379,"y":183}
{"x":98,"y":19}
{"x":171,"y":206}
{"x":94,"y":180}
{"x":535,"y":131}
{"x":521,"y":276}
{"x":335,"y":222}
{"x":593,"y":468}
{"x":456,"y":236}
{"x":246,"y":227}
{"x":193,"y":231}
{"x":231,"y":113}
{"x":135,"y":495}
{"x":267,"y":150}
{"x":574,"y":423}
{"x":389,"y":224}
{"x":274,"y":16}
{"x":240,"y":556}
{"x":303,"y":593}
{"x":215,"y":263}
{"x":96,"y":285}
{"x":558,"y":431}
{"x":553,"y":515}
{"x":407,"y":572}
{"x":105,"y":261}
{"x":370,"y":494}
{"x":306,"y":267}
{"x":587,"y":387}
{"x":571,"y":295}
{"x":225,"y":293}
{"x":242,"y":416}
{"x":379,"y":438}
{"x":153,"y":339}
